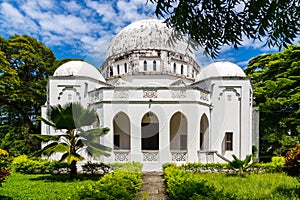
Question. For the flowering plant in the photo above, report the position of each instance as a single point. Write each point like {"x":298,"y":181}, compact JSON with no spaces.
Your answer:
{"x":292,"y":162}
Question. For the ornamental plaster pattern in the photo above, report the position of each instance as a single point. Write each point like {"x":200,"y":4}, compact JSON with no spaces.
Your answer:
{"x":150,"y":156}
{"x":120,"y":94}
{"x":179,"y":156}
{"x":178,"y":94}
{"x":122,"y":156}
{"x":150,"y":93}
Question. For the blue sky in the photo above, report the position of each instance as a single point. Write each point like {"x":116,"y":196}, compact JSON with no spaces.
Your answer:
{"x":84,"y":28}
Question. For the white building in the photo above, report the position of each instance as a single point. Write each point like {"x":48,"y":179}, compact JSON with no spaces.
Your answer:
{"x":159,"y":104}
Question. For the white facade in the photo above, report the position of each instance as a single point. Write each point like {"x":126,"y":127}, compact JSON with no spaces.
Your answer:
{"x":159,"y":105}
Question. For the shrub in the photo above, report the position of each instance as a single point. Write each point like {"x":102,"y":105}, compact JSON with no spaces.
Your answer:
{"x":123,"y":184}
{"x":276,"y":165}
{"x":4,"y":169}
{"x":25,"y":165}
{"x":292,"y":162}
{"x":131,"y":167}
{"x":181,"y":184}
{"x":95,"y":167}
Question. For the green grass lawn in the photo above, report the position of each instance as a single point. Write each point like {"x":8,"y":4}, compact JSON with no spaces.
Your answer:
{"x":256,"y":186}
{"x":46,"y":186}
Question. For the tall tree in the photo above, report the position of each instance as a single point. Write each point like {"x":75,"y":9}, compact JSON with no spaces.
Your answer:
{"x":27,"y":63}
{"x":211,"y":24}
{"x":73,"y":118}
{"x":276,"y":83}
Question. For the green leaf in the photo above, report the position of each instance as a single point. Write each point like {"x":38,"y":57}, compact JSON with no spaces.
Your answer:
{"x":47,"y":138}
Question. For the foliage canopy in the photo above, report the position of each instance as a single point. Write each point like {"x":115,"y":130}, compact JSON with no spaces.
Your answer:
{"x":212,"y":24}
{"x":276,"y":83}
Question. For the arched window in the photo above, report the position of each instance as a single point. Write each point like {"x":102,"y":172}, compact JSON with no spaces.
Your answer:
{"x":125,"y":67}
{"x":150,"y":132}
{"x":193,"y":72}
{"x":121,"y":131}
{"x":118,"y":69}
{"x":181,"y":69}
{"x":204,"y":133}
{"x":111,"y":72}
{"x":174,"y":68}
{"x":154,"y":65}
{"x":178,"y":132}
{"x":145,"y":65}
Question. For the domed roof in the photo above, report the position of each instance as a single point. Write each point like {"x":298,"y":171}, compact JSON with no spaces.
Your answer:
{"x":221,"y":69}
{"x":79,"y":68}
{"x":147,"y":34}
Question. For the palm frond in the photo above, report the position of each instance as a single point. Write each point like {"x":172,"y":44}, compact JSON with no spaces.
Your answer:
{"x":46,"y":121}
{"x":64,"y":157}
{"x":96,"y":152}
{"x":79,"y":144}
{"x":83,"y":116}
{"x":46,"y":138}
{"x":94,"y":134}
{"x":75,"y":156}
{"x":59,"y":148}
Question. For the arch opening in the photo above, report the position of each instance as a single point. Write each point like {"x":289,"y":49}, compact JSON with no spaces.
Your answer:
{"x":204,"y":133}
{"x":121,"y":129}
{"x":150,"y":132}
{"x":178,"y":132}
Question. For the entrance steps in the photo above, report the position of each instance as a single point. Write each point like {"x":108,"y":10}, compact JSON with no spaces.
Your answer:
{"x":152,"y":187}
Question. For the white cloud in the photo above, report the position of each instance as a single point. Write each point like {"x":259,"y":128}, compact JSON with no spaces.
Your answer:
{"x":104,"y":10}
{"x":13,"y":21}
{"x":10,"y":12}
{"x":71,"y":6}
{"x":243,"y":63}
{"x":49,"y":4}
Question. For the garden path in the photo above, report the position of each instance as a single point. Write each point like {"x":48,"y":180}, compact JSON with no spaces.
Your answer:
{"x":152,"y":187}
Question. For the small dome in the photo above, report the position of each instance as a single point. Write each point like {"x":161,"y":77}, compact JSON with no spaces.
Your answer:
{"x":79,"y":68}
{"x":150,"y":34}
{"x":221,"y":69}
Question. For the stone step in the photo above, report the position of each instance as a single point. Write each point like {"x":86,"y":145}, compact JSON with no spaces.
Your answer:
{"x":152,"y":187}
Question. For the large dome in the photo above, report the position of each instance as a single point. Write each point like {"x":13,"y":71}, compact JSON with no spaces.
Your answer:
{"x":147,"y":34}
{"x":221,"y":69}
{"x":79,"y":68}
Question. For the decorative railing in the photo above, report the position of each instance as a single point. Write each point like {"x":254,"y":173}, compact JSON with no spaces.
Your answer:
{"x":179,"y":156}
{"x":150,"y":156}
{"x":209,"y":156}
{"x":206,"y":156}
{"x":122,"y":155}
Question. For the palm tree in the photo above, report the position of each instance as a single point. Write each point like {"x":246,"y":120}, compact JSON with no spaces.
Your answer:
{"x":73,"y":118}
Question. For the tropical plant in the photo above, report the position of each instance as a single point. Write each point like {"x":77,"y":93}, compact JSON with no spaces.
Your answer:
{"x":241,"y":165}
{"x":292,"y":162}
{"x":75,"y":119}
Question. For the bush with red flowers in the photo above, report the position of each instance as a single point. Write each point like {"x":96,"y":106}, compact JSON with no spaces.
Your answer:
{"x":292,"y":162}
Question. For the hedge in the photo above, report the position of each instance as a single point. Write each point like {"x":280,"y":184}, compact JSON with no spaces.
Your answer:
{"x":123,"y":184}
{"x":181,"y":184}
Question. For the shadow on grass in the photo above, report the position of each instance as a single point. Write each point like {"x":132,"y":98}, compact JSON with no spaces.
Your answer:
{"x":67,"y":178}
{"x":5,"y":198}
{"x":236,"y":175}
{"x":289,"y":192}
